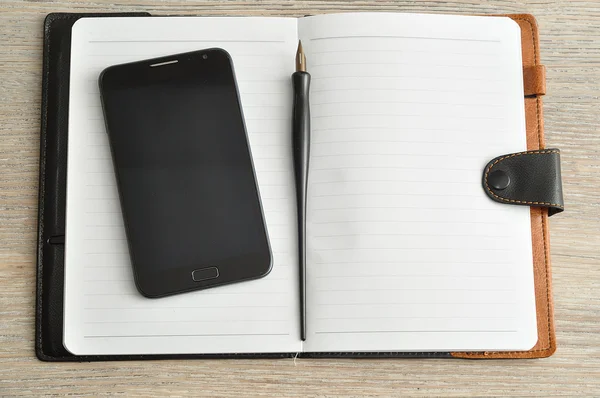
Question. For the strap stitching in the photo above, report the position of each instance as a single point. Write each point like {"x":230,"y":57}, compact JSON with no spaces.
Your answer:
{"x":487,"y":172}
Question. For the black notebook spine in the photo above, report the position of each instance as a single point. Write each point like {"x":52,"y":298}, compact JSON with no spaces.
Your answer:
{"x":52,"y":183}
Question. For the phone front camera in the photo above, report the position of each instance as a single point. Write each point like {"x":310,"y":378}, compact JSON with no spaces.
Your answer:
{"x":204,"y":56}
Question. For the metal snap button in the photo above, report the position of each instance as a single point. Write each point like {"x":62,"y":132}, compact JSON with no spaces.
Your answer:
{"x":498,"y":179}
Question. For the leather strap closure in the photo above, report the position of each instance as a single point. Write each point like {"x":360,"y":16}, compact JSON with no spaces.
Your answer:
{"x":531,"y":178}
{"x":534,"y":80}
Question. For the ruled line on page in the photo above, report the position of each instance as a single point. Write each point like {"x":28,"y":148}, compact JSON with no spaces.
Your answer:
{"x":394,"y":303}
{"x":464,"y":66}
{"x":385,"y":168}
{"x":403,"y":129}
{"x":349,"y":182}
{"x":432,"y":90}
{"x":186,"y":307}
{"x":184,"y":335}
{"x":391,"y":207}
{"x":405,"y":37}
{"x":363,"y":153}
{"x":413,"y":331}
{"x":186,"y":41}
{"x":416,"y":317}
{"x":404,"y":51}
{"x":411,"y":276}
{"x":407,"y":102}
{"x":484,"y":118}
{"x":391,"y":194}
{"x":413,"y":289}
{"x":188,"y":321}
{"x":411,"y":234}
{"x":455,"y":78}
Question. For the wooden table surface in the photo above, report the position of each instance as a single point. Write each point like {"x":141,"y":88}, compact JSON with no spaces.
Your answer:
{"x":570,"y":43}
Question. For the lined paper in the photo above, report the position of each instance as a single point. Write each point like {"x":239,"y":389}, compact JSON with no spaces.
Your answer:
{"x":104,"y":313}
{"x":405,"y":251}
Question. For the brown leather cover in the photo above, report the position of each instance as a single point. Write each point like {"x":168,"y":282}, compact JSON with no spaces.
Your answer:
{"x":535,"y":86}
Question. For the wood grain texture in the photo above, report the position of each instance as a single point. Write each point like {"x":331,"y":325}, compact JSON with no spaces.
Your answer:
{"x":570,"y":42}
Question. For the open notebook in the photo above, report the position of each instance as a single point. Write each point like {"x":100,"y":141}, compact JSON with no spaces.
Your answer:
{"x":405,"y":250}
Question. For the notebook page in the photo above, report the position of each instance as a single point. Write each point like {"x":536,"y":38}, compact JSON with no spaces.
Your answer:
{"x":405,"y":250}
{"x":104,"y":313}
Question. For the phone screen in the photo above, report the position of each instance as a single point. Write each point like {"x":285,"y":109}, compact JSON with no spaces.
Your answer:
{"x":187,"y":185}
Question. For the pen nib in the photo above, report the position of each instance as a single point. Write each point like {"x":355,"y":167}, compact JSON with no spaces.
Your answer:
{"x":300,"y":59}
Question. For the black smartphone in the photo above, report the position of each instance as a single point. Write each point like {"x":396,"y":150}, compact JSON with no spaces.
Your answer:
{"x":184,"y":171}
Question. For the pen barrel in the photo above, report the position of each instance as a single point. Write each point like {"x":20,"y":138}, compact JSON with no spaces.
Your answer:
{"x":301,"y":130}
{"x":301,"y":152}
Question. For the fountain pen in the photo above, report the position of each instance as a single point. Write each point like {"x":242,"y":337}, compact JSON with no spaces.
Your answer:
{"x":301,"y":151}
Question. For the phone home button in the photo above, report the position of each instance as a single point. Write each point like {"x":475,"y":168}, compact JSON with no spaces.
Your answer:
{"x":204,"y":274}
